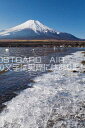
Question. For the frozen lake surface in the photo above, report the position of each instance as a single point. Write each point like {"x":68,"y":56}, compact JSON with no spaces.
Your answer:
{"x":56,"y":100}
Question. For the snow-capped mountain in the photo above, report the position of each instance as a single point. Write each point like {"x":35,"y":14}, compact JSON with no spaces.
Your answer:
{"x":32,"y":29}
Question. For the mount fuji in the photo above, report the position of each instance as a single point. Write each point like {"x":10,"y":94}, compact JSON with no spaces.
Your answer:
{"x":34,"y":30}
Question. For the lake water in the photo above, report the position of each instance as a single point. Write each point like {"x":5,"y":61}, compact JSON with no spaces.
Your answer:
{"x":46,"y":96}
{"x":12,"y":82}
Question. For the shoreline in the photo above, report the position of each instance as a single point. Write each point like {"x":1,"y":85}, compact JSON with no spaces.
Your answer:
{"x":54,"y":101}
{"x":35,"y":43}
{"x":10,"y":94}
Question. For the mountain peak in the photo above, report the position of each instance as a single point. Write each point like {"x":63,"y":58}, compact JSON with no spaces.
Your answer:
{"x":33,"y":25}
{"x":31,"y":21}
{"x":33,"y":29}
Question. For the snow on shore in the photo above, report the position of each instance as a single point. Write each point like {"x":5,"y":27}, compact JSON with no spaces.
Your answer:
{"x":57,"y":99}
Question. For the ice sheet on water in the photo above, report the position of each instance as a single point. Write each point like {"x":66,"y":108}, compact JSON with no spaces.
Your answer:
{"x":56,"y":100}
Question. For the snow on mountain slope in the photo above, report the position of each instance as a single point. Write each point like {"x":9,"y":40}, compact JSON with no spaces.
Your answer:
{"x":32,"y":29}
{"x":36,"y":26}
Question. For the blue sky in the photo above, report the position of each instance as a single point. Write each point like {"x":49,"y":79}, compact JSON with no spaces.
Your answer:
{"x":63,"y":15}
